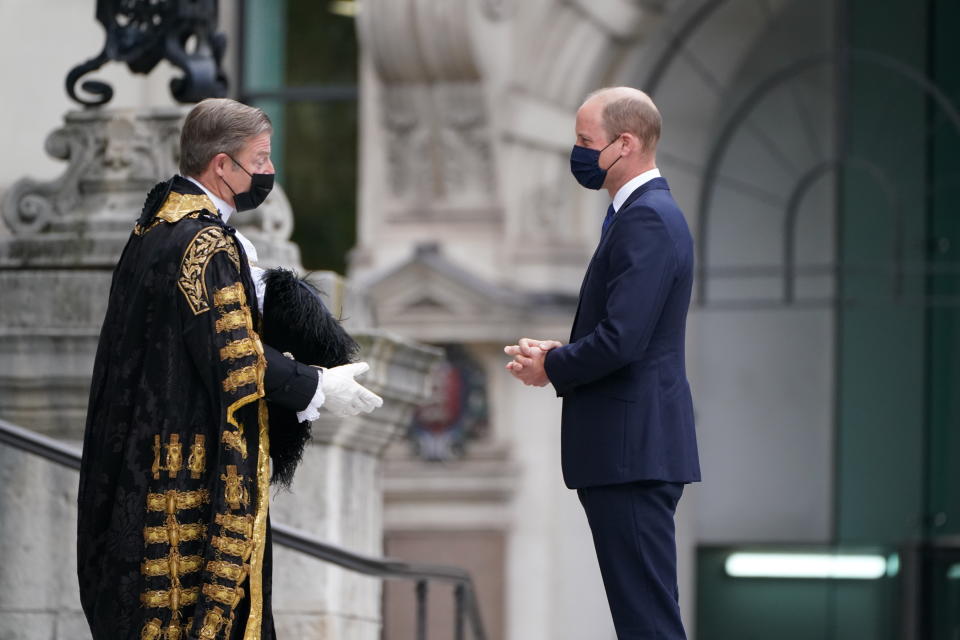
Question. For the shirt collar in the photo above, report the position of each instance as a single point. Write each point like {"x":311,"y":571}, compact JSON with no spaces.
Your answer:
{"x":624,"y":192}
{"x":225,"y":209}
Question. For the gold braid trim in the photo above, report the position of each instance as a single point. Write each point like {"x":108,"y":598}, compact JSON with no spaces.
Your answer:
{"x":232,"y":320}
{"x":155,"y":469}
{"x":151,"y":630}
{"x":242,"y":525}
{"x":235,"y":440}
{"x":230,"y":596}
{"x":174,"y":533}
{"x":238,"y":349}
{"x":173,"y":501}
{"x":198,"y":456}
{"x":255,"y":618}
{"x":193,"y":266}
{"x":176,"y":632}
{"x":261,"y":367}
{"x":174,"y":455}
{"x":176,"y":207}
{"x":212,"y":623}
{"x":228,"y":570}
{"x":233,"y":546}
{"x":234,"y":294}
{"x":237,"y":378}
{"x":172,"y":567}
{"x":170,"y":599}
{"x":235,"y":490}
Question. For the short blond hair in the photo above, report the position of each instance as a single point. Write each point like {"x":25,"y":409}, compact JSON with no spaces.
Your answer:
{"x":218,"y":125}
{"x":629,"y":110}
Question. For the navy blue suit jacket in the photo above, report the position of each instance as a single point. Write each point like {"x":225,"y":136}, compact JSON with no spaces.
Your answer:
{"x":627,"y":409}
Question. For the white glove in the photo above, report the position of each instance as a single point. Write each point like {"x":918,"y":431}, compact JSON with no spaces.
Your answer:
{"x":343,"y":395}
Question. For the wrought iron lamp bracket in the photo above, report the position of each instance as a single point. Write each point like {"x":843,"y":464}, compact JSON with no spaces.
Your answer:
{"x":141,"y":33}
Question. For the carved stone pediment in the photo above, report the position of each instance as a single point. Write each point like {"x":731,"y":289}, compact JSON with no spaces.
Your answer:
{"x":431,"y":298}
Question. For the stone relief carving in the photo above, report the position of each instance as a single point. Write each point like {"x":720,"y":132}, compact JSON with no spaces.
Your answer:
{"x":434,"y":113}
{"x":438,"y":146}
{"x":466,"y":160}
{"x":408,"y":142}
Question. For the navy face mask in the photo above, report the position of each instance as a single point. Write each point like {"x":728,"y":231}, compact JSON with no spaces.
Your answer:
{"x":585,"y":165}
{"x":260,"y":186}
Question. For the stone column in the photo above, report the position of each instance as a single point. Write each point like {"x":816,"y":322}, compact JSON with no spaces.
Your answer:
{"x":55,"y":273}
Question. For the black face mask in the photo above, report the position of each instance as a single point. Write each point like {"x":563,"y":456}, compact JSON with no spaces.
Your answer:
{"x":260,"y":187}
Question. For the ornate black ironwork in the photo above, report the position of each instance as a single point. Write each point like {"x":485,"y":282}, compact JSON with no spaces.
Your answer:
{"x":141,"y":33}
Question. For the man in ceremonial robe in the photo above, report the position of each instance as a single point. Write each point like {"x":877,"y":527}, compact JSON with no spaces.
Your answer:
{"x":173,"y":532}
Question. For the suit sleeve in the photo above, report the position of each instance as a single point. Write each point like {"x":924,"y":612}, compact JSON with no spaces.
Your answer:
{"x":288,"y":383}
{"x":641,"y":268}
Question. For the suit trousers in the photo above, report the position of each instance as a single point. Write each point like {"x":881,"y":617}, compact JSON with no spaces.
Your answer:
{"x":633,"y":532}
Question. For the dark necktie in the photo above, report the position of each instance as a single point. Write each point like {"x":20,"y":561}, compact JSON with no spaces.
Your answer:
{"x":608,"y":220}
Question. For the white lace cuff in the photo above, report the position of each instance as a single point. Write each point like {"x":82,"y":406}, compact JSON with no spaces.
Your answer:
{"x":312,"y":412}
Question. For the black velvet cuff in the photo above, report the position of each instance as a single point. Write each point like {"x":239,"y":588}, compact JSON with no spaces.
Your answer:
{"x":288,"y":383}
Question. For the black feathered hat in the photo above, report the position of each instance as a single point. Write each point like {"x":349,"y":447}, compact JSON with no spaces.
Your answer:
{"x":296,"y":321}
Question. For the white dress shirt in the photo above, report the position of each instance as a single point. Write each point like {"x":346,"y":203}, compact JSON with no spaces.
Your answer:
{"x":312,"y":411}
{"x":624,"y":192}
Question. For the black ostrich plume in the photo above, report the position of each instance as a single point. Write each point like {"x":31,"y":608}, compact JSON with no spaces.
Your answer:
{"x":296,"y":321}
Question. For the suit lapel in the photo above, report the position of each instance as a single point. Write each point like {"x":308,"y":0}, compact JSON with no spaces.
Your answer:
{"x":656,"y":183}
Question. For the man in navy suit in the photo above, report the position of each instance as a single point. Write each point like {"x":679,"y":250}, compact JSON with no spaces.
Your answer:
{"x":628,"y":440}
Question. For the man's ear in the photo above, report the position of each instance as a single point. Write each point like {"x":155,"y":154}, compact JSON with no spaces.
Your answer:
{"x":218,"y":164}
{"x":631,"y":144}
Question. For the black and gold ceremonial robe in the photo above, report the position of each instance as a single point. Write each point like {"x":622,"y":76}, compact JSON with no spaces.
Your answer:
{"x":173,"y":533}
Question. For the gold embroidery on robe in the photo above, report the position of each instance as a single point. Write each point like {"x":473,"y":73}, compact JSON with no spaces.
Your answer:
{"x":173,"y":501}
{"x":237,"y":378}
{"x":234,"y":490}
{"x":238,"y":349}
{"x":193,"y":266}
{"x":233,"y":294}
{"x":173,"y":533}
{"x":212,"y":623}
{"x":151,"y":630}
{"x":170,"y":598}
{"x":232,"y":320}
{"x":235,"y":441}
{"x":176,"y":207}
{"x":155,"y":469}
{"x":230,"y":596}
{"x":198,"y":456}
{"x":173,"y":566}
{"x":228,"y":570}
{"x":242,"y":525}
{"x":232,"y":546}
{"x":229,"y":628}
{"x":174,"y":455}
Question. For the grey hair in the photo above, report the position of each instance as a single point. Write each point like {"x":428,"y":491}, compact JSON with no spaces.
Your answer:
{"x":628,"y":110}
{"x":218,"y":125}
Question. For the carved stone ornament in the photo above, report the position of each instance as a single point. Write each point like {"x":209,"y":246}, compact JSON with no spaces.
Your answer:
{"x":114,"y":157}
{"x":141,"y":33}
